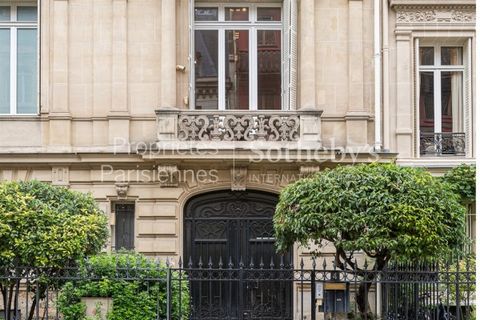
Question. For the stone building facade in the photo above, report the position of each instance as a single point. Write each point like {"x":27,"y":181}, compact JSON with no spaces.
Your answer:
{"x":148,"y":104}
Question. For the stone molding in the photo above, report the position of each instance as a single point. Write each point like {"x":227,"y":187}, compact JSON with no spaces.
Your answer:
{"x":306,"y":171}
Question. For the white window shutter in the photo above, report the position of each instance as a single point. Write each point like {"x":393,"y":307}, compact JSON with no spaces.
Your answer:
{"x":290,"y":54}
{"x":191,"y":55}
{"x":293,"y":54}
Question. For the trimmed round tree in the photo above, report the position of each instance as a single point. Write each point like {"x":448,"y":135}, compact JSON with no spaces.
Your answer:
{"x":383,"y":210}
{"x":44,"y":229}
{"x":462,"y":181}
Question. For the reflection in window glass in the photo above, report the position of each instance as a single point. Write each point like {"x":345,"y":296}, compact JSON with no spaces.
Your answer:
{"x":206,"y":14}
{"x":452,"y":102}
{"x":427,"y":55}
{"x":236,"y":69}
{"x":4,"y":13}
{"x":206,"y":69}
{"x":269,"y":14}
{"x":236,"y":14}
{"x":427,"y":118}
{"x":451,"y":56}
{"x":269,"y":69}
{"x":4,"y":71}
{"x":27,"y":71}
{"x":26,"y":13}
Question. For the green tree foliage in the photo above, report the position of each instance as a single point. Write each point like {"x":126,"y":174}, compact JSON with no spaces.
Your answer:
{"x":462,"y":181}
{"x":386,"y":211}
{"x":44,"y":228}
{"x":136,"y":284}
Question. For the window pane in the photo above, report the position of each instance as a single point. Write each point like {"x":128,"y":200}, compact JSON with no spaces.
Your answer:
{"x":27,"y":71}
{"x":427,"y":117}
{"x":451,"y":56}
{"x":269,"y":69}
{"x":269,"y":14}
{"x":236,"y":14}
{"x":236,"y":69}
{"x":4,"y":70}
{"x":427,"y":56}
{"x":4,"y":13}
{"x":206,"y":14}
{"x":452,"y":102}
{"x":206,"y":69}
{"x":26,"y":13}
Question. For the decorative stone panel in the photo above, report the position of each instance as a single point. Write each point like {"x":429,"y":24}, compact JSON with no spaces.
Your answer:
{"x":435,"y":14}
{"x":60,"y":176}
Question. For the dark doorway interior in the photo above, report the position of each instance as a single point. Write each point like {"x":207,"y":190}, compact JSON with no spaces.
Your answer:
{"x":124,"y":226}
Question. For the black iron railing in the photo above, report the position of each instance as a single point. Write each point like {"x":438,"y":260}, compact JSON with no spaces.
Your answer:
{"x":440,"y":144}
{"x":256,"y":290}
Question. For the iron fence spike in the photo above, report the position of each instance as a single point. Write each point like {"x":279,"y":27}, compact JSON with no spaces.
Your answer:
{"x":272,"y":264}
{"x":190,"y":262}
{"x":180,"y":262}
{"x":261,"y":262}
{"x":230,"y":262}
{"x":210,"y":263}
{"x":220,"y":263}
{"x":302,"y":264}
{"x":200,"y":262}
{"x":251,"y":263}
{"x":324,"y":264}
{"x":282,"y":262}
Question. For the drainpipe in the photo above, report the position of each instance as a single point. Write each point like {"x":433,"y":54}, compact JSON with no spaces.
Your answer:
{"x":378,"y":75}
{"x":386,"y":77}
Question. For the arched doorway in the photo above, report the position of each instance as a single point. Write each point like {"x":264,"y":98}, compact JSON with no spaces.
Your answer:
{"x":235,"y":229}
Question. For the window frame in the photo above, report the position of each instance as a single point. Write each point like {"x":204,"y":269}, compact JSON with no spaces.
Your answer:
{"x":13,"y":25}
{"x":221,"y":26}
{"x":437,"y":68}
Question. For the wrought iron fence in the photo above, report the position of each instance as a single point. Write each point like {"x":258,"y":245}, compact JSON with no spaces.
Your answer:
{"x":315,"y":289}
{"x":445,"y":143}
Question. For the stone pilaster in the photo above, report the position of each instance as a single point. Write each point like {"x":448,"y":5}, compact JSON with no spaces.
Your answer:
{"x":356,"y":117}
{"x":169,"y":53}
{"x":307,"y":63}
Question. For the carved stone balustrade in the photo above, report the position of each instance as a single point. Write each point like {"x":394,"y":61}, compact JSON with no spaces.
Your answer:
{"x":181,"y":129}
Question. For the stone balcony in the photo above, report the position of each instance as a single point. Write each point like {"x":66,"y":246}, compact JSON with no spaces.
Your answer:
{"x":226,"y":130}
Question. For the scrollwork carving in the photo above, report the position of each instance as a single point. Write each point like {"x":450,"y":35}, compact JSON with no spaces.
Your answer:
{"x":435,"y":14}
{"x":239,"y":127}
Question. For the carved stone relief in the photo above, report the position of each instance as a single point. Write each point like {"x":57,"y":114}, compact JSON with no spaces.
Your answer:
{"x":239,"y":178}
{"x":435,"y":14}
{"x":122,"y":189}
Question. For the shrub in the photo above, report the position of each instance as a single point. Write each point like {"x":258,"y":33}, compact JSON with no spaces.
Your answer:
{"x":136,"y":284}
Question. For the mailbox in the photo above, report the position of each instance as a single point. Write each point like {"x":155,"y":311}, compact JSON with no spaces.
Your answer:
{"x":335,"y":298}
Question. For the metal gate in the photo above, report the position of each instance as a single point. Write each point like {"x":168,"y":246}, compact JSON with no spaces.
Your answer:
{"x":235,"y":229}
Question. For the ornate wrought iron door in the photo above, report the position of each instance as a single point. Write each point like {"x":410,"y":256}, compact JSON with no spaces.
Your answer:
{"x":230,"y":230}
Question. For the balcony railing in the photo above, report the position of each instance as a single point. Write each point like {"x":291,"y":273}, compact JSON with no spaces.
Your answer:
{"x":239,"y":128}
{"x":442,"y":144}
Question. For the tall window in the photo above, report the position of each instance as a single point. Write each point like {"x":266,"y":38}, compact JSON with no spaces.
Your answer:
{"x":124,"y":226}
{"x":441,"y":100}
{"x":18,"y":59}
{"x":238,"y":57}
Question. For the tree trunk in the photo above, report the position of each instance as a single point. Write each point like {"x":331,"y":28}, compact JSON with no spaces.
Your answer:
{"x":361,"y":297}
